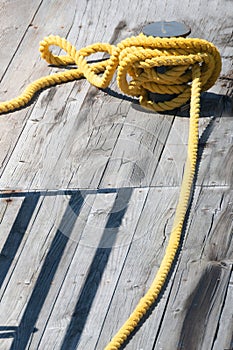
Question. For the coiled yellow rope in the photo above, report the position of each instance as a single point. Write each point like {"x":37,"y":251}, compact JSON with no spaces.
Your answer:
{"x":193,"y":65}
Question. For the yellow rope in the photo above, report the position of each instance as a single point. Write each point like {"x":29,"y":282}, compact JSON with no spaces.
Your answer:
{"x":193,"y":65}
{"x":136,"y":57}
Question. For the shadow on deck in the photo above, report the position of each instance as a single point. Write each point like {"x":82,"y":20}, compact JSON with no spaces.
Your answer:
{"x":23,"y":332}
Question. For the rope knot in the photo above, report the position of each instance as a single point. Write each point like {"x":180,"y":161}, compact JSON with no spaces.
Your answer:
{"x":176,"y":66}
{"x":140,"y":61}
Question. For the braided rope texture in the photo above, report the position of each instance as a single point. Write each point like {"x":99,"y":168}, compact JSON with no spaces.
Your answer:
{"x":135,"y":57}
{"x":193,"y":65}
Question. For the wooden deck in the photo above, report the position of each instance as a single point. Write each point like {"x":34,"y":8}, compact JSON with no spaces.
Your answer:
{"x":89,"y":185}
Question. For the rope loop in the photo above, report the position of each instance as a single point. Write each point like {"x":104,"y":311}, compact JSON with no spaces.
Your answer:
{"x":137,"y":59}
{"x":189,"y":67}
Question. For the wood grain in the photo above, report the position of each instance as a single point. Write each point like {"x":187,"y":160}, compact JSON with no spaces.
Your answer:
{"x":89,"y":185}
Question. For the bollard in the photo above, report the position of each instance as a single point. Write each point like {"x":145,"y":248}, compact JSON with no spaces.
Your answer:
{"x":165,"y":29}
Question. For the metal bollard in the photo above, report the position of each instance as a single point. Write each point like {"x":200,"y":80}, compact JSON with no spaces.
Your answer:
{"x":165,"y":29}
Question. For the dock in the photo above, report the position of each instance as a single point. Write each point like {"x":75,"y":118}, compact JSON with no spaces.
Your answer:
{"x":89,"y":183}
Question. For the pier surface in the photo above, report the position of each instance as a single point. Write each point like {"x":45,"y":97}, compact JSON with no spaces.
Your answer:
{"x":89,"y":186}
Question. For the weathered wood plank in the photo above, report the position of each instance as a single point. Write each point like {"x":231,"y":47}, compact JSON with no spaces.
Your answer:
{"x":142,"y":263}
{"x":16,"y":17}
{"x":60,"y":98}
{"x":224,"y":335}
{"x":8,"y":213}
{"x":215,"y":154}
{"x":76,"y":136}
{"x":138,"y":150}
{"x":65,"y":147}
{"x":51,"y":241}
{"x":15,"y":227}
{"x":93,"y":273}
{"x":197,"y":297}
{"x":184,"y":301}
{"x":52,"y":17}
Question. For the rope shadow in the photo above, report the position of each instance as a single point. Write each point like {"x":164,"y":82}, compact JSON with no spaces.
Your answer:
{"x":37,"y":93}
{"x":212,"y":105}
